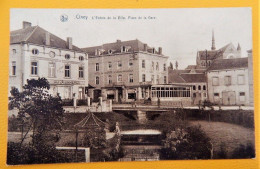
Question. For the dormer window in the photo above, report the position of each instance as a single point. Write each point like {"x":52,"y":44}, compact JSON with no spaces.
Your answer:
{"x":67,"y":56}
{"x":123,"y":49}
{"x":97,"y":52}
{"x":153,"y":50}
{"x":110,"y":51}
{"x":35,"y":51}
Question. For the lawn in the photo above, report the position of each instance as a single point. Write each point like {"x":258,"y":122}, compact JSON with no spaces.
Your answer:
{"x":232,"y":135}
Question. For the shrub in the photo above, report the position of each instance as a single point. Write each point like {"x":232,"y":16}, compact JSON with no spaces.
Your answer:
{"x":243,"y":151}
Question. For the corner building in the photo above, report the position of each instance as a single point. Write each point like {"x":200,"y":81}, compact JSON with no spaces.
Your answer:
{"x":35,"y":52}
{"x":124,"y":71}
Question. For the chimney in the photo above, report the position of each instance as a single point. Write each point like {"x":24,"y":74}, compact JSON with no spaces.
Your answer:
{"x":160,"y":50}
{"x":47,"y":39}
{"x":26,"y":24}
{"x":118,"y":41}
{"x":145,"y":47}
{"x":69,"y":42}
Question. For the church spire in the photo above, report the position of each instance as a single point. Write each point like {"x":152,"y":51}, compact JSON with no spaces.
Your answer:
{"x":238,"y":47}
{"x":213,"y":41}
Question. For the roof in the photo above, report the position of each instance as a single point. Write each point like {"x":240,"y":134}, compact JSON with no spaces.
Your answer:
{"x":182,"y":76}
{"x":213,"y":54}
{"x":194,"y":78}
{"x":90,"y":122}
{"x":174,"y":76}
{"x":36,"y":35}
{"x":225,"y":64}
{"x":132,"y":45}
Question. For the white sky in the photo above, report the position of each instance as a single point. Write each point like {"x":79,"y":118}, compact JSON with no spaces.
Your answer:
{"x":180,"y":32}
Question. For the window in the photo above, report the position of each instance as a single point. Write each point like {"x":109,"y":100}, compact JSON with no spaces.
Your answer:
{"x":204,"y":87}
{"x":81,"y":72}
{"x":123,"y":49}
{"x":67,"y":70}
{"x":227,"y":80}
{"x":242,"y":96}
{"x":97,"y":80}
{"x":216,"y":94}
{"x":194,"y":87}
{"x":67,"y":56}
{"x":157,"y":66}
{"x":157,"y":80}
{"x":152,"y":78}
{"x":164,"y":67}
{"x":143,"y":78}
{"x":215,"y":81}
{"x":81,"y":58}
{"x":52,"y":54}
{"x":109,"y":79}
{"x":152,"y":65}
{"x":194,"y":94}
{"x":143,"y":63}
{"x":51,"y":69}
{"x":119,"y":64}
{"x":131,"y":63}
{"x":109,"y":65}
{"x":97,"y":66}
{"x":199,"y":87}
{"x":165,"y":79}
{"x":13,"y":68}
{"x":34,"y":68}
{"x":14,"y":51}
{"x":131,"y":78}
{"x":35,"y":51}
{"x":110,"y":51}
{"x":204,"y":94}
{"x":119,"y":78}
{"x":241,"y":79}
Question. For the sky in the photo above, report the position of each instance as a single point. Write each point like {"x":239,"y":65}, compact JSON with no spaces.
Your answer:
{"x":180,"y":32}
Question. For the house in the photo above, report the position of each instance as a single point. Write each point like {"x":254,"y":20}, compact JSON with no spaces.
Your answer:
{"x":35,"y":52}
{"x":197,"y":81}
{"x":124,"y":71}
{"x":228,"y":81}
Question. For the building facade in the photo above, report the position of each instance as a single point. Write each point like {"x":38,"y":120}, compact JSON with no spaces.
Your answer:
{"x":195,"y":79}
{"x":228,"y":82}
{"x":125,"y":70}
{"x":250,"y":77}
{"x":35,"y":52}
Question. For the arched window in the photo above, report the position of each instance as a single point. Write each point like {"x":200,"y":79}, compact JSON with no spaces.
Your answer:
{"x":204,"y":87}
{"x":199,"y":87}
{"x":194,"y":87}
{"x":81,"y":58}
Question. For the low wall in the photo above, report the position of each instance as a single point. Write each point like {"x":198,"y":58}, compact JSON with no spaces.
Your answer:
{"x":105,"y":106}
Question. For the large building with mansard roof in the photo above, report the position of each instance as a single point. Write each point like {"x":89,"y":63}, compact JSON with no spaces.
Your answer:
{"x":35,"y":52}
{"x":125,"y":70}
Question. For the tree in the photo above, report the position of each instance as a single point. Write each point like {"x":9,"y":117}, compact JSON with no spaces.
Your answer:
{"x":44,"y":110}
{"x":171,"y":65}
{"x":188,"y":143}
{"x":176,"y":65}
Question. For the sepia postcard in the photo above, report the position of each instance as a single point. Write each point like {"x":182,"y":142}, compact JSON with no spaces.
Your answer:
{"x":102,"y":85}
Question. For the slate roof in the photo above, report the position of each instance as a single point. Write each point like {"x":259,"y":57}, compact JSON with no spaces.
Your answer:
{"x":194,"y":78}
{"x":36,"y":35}
{"x":226,"y":64}
{"x":133,"y":45}
{"x":213,"y":54}
{"x":182,"y":76}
